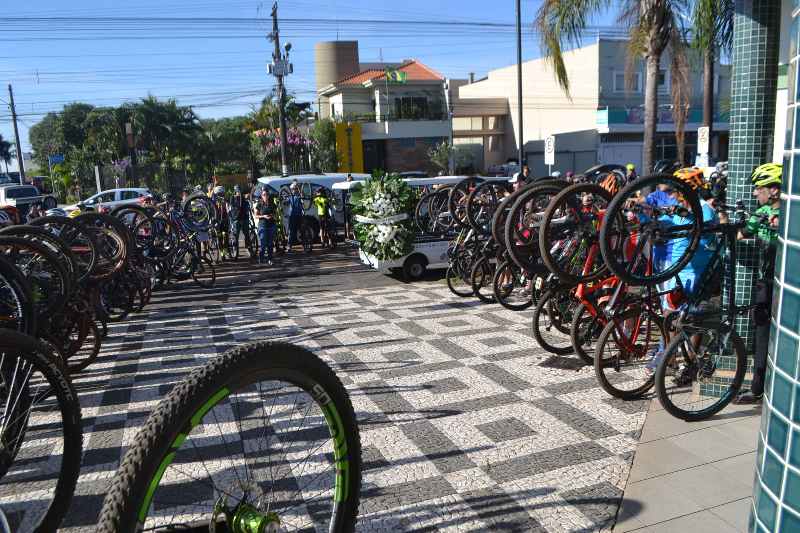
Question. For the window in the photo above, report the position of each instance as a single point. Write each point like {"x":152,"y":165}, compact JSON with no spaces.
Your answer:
{"x":129,"y":195}
{"x":495,"y":123}
{"x":477,"y":123}
{"x":663,"y":81}
{"x":103,"y":198}
{"x":411,"y":107}
{"x":407,"y":143}
{"x":333,"y":110}
{"x":21,"y":192}
{"x":619,"y":82}
{"x":462,"y":123}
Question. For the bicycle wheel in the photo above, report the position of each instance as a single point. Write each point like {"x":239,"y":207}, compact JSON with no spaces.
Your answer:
{"x":499,"y":219}
{"x":198,"y":211}
{"x":89,"y":349}
{"x":49,"y":281}
{"x":262,"y":438}
{"x":458,"y":275}
{"x":53,"y":244}
{"x":482,"y":203}
{"x":80,"y":241}
{"x":524,"y":222}
{"x":481,"y":278}
{"x":585,"y":330}
{"x":17,"y":311}
{"x":568,"y":240}
{"x":43,"y":409}
{"x":649,"y":228}
{"x":701,"y":372}
{"x":212,"y":250}
{"x":626,"y":352}
{"x":457,"y":199}
{"x":511,"y":287}
{"x":203,"y":272}
{"x":551,"y":319}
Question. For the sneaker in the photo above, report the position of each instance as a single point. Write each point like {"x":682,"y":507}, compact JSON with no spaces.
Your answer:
{"x":685,"y":375}
{"x":747,"y":398}
{"x":269,"y":263}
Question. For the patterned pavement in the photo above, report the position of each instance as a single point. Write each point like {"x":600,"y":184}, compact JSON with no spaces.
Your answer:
{"x":466,"y":425}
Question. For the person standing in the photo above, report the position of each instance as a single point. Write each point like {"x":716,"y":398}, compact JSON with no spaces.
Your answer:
{"x":763,"y":225}
{"x":240,"y":217}
{"x":295,"y":214}
{"x":630,"y":173}
{"x":264,"y":213}
{"x":323,"y":215}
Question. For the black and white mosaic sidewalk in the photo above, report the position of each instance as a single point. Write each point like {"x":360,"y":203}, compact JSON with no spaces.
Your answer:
{"x":466,"y":425}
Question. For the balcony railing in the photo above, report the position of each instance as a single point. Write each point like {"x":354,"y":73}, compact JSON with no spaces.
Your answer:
{"x":394,"y":117}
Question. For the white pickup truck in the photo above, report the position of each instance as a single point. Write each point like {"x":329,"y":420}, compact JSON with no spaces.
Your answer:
{"x":23,"y":196}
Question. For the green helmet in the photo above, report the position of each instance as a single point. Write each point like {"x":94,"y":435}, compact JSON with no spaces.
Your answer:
{"x":630,"y":166}
{"x":768,"y":174}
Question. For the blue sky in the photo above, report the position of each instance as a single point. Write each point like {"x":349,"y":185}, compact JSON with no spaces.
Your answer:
{"x":222,"y":70}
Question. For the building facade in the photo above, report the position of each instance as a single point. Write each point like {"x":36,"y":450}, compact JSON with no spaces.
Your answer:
{"x":602,"y":118}
{"x":400,"y":121}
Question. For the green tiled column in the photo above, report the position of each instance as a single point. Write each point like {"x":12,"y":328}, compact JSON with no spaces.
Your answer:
{"x":753,"y":87}
{"x":776,"y":495}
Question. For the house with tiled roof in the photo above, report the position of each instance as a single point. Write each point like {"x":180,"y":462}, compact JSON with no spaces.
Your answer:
{"x":401,"y":115}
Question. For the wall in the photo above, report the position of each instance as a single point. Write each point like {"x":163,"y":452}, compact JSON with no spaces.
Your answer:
{"x":404,"y":129}
{"x":546,"y":108}
{"x":776,"y":493}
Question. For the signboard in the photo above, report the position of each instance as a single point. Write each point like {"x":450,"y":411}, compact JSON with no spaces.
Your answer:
{"x":602,"y":120}
{"x":280,"y":68}
{"x":702,"y":140}
{"x":349,"y":148}
{"x":395,"y":76}
{"x":56,"y":159}
{"x":550,"y":150}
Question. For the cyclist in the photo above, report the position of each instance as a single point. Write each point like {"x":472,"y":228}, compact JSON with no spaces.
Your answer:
{"x":185,"y":194}
{"x":264,"y":213}
{"x":239,"y":213}
{"x":763,"y":225}
{"x":296,"y":212}
{"x":630,"y":173}
{"x":323,"y":213}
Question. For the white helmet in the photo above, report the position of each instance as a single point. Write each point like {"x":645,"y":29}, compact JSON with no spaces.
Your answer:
{"x":219,"y":189}
{"x":56,"y":212}
{"x":5,"y":220}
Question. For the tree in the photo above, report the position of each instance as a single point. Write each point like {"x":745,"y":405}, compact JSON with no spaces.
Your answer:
{"x":5,"y":152}
{"x":440,"y":155}
{"x":47,"y":138}
{"x":712,"y":27}
{"x":653,"y":26}
{"x":323,"y":146}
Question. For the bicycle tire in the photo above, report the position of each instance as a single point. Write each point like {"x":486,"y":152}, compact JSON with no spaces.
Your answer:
{"x":17,"y":311}
{"x":523,"y":249}
{"x":584,"y":324}
{"x":609,"y":231}
{"x":603,"y":365}
{"x":544,"y":308}
{"x":481,"y":277}
{"x":87,"y":353}
{"x":38,"y":355}
{"x":546,"y":246}
{"x":53,"y":243}
{"x":51,"y":296}
{"x":456,"y":200}
{"x":501,"y":292}
{"x":734,"y":384}
{"x":499,"y":219}
{"x":134,"y":488}
{"x":456,"y":271}
{"x":484,"y":227}
{"x":78,"y":239}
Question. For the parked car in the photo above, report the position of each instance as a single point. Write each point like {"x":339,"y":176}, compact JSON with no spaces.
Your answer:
{"x":110,"y":199}
{"x":5,"y":179}
{"x":23,"y":196}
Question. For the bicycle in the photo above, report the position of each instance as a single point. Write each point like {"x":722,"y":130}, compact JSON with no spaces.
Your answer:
{"x":279,"y":471}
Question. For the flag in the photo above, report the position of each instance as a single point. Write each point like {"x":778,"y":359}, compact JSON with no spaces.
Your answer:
{"x":395,"y":76}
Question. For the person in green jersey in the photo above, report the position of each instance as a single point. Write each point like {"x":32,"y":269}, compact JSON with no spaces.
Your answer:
{"x":323,"y":204}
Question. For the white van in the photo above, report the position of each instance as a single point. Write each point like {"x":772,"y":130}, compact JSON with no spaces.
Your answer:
{"x":309,"y":185}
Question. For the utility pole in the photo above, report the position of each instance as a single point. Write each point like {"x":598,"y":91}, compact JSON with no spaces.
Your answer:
{"x":519,"y":83}
{"x":279,"y":68}
{"x":20,"y":161}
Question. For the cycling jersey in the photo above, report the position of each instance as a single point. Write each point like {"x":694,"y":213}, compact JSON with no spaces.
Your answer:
{"x":758,"y":225}
{"x":322,"y":204}
{"x":693,"y":271}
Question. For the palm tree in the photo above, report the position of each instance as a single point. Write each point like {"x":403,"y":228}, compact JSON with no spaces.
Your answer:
{"x":5,"y":152}
{"x":653,"y":26}
{"x":712,"y":27}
